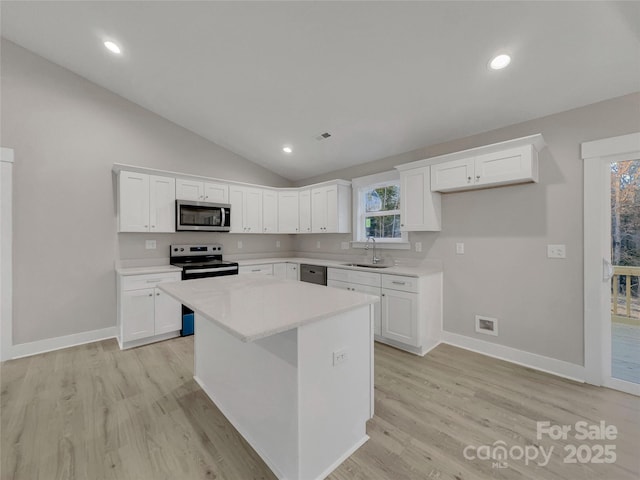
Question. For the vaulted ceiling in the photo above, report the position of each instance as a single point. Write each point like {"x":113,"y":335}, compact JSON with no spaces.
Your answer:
{"x":381,"y":77}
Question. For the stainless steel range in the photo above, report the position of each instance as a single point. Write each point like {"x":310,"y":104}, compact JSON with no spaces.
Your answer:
{"x":199,"y":261}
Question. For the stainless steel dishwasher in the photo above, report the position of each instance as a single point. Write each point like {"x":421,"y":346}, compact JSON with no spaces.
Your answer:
{"x":313,"y":274}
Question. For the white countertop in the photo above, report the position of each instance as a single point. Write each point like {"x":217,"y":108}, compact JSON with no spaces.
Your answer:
{"x":124,"y":271}
{"x":405,"y":270}
{"x":255,"y":306}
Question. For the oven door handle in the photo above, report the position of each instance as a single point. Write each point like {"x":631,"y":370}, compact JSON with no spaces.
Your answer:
{"x":209,"y":270}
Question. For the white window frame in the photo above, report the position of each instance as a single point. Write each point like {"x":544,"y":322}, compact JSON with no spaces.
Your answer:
{"x":362,"y":184}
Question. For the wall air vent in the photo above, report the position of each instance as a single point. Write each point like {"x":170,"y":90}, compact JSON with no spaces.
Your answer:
{"x":323,"y":136}
{"x":486,"y":325}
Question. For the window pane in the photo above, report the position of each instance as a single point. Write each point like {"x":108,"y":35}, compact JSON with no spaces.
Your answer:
{"x":383,"y":198}
{"x":385,"y":226}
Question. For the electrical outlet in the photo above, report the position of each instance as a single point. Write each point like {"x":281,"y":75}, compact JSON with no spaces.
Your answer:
{"x":239,"y":244}
{"x":556,"y":251}
{"x":344,"y":245}
{"x":150,"y":244}
{"x":277,"y":243}
{"x":418,"y":246}
{"x":460,"y":248}
{"x":318,"y":244}
{"x":487,"y":325}
{"x":339,"y":356}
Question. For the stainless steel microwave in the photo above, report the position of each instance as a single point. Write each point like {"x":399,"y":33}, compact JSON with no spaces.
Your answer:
{"x":202,"y":216}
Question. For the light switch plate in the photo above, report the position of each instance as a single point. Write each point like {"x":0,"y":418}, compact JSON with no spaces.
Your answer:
{"x":418,"y":246}
{"x":318,"y":244}
{"x":339,"y":356}
{"x":556,"y":251}
{"x":150,"y":244}
{"x":460,"y":248}
{"x":277,"y":243}
{"x":239,"y":244}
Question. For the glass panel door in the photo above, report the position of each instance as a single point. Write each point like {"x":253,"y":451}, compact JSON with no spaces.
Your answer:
{"x":625,"y":256}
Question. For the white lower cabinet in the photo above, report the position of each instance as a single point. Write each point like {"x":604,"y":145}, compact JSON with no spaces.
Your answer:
{"x":144,"y":311}
{"x":354,"y":287}
{"x":400,"y":313}
{"x":409,"y":315}
{"x":285,"y":271}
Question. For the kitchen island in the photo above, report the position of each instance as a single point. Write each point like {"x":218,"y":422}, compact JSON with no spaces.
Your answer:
{"x":290,"y":365}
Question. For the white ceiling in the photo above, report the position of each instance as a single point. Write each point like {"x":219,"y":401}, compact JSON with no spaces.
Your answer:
{"x":382,"y":77}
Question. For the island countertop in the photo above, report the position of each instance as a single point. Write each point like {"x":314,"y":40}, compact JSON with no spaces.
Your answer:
{"x":254,"y":306}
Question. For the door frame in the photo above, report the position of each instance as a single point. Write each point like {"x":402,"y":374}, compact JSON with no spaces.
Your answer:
{"x":597,"y":156}
{"x":6,"y":253}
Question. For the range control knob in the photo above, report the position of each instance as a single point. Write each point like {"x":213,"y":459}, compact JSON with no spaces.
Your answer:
{"x":182,"y":249}
{"x":175,"y":249}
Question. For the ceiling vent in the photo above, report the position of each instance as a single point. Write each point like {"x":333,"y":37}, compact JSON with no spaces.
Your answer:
{"x":323,"y":136}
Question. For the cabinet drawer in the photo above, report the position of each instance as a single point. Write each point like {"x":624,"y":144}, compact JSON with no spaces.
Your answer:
{"x":354,"y":276}
{"x":264,"y":269}
{"x":396,"y":282}
{"x":136,"y":282}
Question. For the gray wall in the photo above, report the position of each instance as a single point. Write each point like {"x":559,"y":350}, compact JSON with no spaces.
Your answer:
{"x":67,"y":133}
{"x":504,"y":272}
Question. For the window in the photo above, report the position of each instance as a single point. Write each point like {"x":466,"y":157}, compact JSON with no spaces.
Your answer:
{"x":376,"y":209}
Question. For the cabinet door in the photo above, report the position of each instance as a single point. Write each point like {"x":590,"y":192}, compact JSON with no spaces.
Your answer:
{"x":162,"y":204}
{"x":280,"y":270}
{"x":377,"y":310}
{"x":304,"y":214}
{"x":168,"y":313}
{"x":454,"y":175}
{"x":292,"y":271}
{"x":189,"y":190}
{"x":133,"y":202}
{"x":236,"y":199}
{"x":318,"y":210}
{"x":216,"y":192}
{"x":332,"y":209}
{"x":252,"y":210}
{"x":508,"y":166}
{"x":269,"y":211}
{"x":400,"y":316}
{"x":419,"y":207}
{"x":137,"y":314}
{"x":288,"y":212}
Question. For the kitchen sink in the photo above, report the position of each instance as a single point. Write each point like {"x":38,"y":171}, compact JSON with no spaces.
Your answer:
{"x":366,"y":265}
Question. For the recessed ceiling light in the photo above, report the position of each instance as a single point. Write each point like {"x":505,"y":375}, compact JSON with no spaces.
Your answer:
{"x":500,"y":62}
{"x":112,"y":47}
{"x":287,"y":149}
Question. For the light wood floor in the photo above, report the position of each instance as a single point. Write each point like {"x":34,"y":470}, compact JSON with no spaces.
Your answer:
{"x":95,"y":412}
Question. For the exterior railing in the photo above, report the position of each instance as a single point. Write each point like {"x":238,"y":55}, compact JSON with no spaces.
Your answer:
{"x":630,"y":304}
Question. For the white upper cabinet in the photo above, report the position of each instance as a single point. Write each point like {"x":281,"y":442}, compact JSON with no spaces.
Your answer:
{"x":202,"y":191}
{"x":269,"y":211}
{"x":162,"y":204}
{"x":216,"y":192}
{"x":331,"y":208}
{"x":246,"y":209}
{"x":304,"y":212}
{"x":288,"y":211}
{"x":420,"y":208}
{"x":146,"y":203}
{"x":506,"y":163}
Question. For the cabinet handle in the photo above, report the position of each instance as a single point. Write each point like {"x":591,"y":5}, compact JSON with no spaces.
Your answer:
{"x":154,"y":280}
{"x":151,"y":294}
{"x":206,"y":196}
{"x":399,"y":283}
{"x":146,"y":226}
{"x":468,"y":179}
{"x":256,"y":270}
{"x":477,"y":177}
{"x":153,"y":226}
{"x":158,"y":294}
{"x":265,"y":229}
{"x":384,"y":294}
{"x":402,"y":224}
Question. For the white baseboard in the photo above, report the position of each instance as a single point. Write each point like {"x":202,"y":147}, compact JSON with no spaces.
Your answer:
{"x":421,"y":351}
{"x":57,"y":343}
{"x":519,"y":357}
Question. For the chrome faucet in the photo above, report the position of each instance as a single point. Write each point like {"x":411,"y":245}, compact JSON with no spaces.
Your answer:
{"x":374,"y":259}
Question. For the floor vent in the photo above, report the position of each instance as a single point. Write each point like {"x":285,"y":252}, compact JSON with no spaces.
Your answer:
{"x":486,"y":325}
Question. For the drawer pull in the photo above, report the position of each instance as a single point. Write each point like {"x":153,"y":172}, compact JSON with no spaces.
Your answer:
{"x":155,"y":280}
{"x":256,"y":270}
{"x":399,"y":283}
